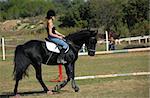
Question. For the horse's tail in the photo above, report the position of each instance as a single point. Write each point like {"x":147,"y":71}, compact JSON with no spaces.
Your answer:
{"x":21,"y":63}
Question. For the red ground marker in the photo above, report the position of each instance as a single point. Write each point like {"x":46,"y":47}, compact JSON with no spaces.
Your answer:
{"x":60,"y":76}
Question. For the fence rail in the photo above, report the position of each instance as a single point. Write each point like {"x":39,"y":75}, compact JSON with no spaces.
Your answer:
{"x":129,"y":39}
{"x":139,"y":38}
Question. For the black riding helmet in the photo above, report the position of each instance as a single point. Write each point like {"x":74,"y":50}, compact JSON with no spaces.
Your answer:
{"x":50,"y":13}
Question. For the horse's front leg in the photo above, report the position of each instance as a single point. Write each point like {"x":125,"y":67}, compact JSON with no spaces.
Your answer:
{"x":64,"y":83}
{"x":73,"y":83}
{"x":74,"y":86}
{"x":59,"y":86}
{"x":70,"y":76}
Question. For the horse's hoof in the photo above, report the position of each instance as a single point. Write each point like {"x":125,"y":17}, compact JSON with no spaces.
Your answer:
{"x":76,"y":89}
{"x":50,"y":92}
{"x":17,"y":96}
{"x":56,"y":88}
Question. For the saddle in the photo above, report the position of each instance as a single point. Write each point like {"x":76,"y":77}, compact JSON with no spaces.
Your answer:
{"x":53,"y":47}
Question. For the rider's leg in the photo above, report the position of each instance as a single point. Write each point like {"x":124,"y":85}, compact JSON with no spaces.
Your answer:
{"x":62,"y":52}
{"x":61,"y":57}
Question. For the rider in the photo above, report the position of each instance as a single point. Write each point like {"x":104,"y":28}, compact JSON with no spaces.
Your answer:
{"x":55,"y":36}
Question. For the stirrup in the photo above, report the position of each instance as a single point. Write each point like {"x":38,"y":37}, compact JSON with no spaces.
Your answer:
{"x":62,"y":61}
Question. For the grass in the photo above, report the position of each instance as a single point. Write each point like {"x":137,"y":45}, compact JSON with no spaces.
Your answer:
{"x":120,"y":87}
{"x":114,"y":63}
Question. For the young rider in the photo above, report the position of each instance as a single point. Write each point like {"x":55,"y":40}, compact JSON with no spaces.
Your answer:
{"x":55,"y":36}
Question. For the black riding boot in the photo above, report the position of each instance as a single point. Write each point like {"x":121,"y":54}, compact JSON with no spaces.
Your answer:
{"x":61,"y":57}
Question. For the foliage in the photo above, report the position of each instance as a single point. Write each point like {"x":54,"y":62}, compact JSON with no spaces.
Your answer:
{"x":136,"y":16}
{"x":125,"y":17}
{"x":14,"y":9}
{"x":141,"y":28}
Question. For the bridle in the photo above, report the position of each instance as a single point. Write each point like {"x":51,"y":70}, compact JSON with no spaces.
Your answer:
{"x":91,"y":50}
{"x":90,"y":42}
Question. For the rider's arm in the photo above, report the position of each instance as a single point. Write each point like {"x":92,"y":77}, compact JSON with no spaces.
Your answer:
{"x":59,"y":33}
{"x":50,"y":26}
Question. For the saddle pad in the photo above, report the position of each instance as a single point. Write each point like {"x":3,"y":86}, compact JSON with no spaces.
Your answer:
{"x":52,"y":47}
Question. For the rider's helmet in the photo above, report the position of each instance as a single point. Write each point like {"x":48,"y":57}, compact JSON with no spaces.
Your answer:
{"x":50,"y":14}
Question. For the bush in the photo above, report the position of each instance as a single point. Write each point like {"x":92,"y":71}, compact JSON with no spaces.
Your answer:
{"x":141,"y":29}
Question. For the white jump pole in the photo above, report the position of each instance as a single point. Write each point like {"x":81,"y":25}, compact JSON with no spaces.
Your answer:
{"x":3,"y":49}
{"x":107,"y":42}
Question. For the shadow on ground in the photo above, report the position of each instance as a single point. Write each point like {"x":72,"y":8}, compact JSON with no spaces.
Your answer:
{"x":33,"y":93}
{"x":10,"y":94}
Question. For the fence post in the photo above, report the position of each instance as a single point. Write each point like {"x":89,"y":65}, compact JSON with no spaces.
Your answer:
{"x":139,"y":41}
{"x":107,"y":42}
{"x":146,"y":40}
{"x":3,"y":49}
{"x":83,"y":47}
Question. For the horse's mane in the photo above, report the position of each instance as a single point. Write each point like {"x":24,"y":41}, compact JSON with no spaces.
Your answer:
{"x":79,"y":35}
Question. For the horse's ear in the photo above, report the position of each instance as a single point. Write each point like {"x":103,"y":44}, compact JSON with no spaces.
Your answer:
{"x":94,"y":33}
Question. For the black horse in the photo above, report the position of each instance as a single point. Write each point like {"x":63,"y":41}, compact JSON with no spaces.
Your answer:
{"x":34,"y":52}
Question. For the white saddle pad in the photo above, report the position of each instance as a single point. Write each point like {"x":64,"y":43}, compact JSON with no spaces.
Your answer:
{"x":53,"y":47}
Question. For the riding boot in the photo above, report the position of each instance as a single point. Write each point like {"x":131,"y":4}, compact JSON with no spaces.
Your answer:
{"x":61,"y":57}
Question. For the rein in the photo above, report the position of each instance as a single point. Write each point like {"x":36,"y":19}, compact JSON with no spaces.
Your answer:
{"x":74,"y":46}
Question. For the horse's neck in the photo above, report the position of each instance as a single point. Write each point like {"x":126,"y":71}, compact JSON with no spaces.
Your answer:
{"x":76,"y":44}
{"x":78,"y":39}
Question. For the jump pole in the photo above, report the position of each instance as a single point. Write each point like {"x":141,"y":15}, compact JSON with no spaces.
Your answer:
{"x":3,"y":49}
{"x":60,"y":76}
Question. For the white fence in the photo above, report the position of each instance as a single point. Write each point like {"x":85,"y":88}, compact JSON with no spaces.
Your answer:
{"x":129,"y":39}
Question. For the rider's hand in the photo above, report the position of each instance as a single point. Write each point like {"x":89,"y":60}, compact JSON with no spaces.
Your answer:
{"x":60,"y":37}
{"x":63,"y":36}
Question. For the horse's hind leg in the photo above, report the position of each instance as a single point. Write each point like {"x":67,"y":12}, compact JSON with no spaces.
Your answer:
{"x":39,"y":76}
{"x":19,"y":71}
{"x":16,"y":86}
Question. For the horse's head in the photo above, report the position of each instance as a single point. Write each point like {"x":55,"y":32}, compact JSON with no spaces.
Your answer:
{"x":91,"y":43}
{"x":84,"y":36}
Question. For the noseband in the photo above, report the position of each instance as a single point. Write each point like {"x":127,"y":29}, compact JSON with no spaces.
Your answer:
{"x":91,"y":50}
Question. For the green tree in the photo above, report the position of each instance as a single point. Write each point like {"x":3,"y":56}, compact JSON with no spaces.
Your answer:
{"x":12,"y":9}
{"x":71,"y":16}
{"x":135,"y":11}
